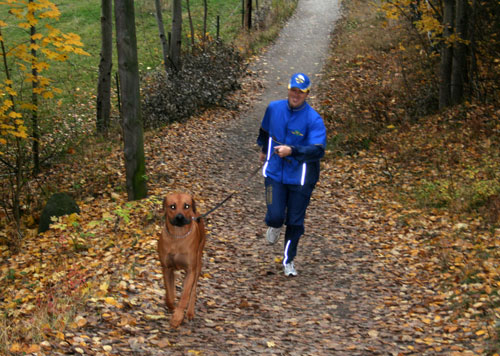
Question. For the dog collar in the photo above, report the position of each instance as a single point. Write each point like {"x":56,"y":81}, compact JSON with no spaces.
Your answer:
{"x":180,"y":236}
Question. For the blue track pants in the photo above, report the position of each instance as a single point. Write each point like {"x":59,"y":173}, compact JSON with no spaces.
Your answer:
{"x":287,"y":203}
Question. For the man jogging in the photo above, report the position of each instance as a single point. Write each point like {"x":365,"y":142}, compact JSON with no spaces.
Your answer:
{"x":293,"y":139}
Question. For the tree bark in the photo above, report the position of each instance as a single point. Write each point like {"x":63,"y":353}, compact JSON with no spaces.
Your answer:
{"x":104,"y":84}
{"x":446,"y":55}
{"x":205,"y":14}
{"x":459,"y":67}
{"x":190,"y":23}
{"x":175,"y":45}
{"x":248,"y":15}
{"x":128,"y":69}
{"x":161,"y":31}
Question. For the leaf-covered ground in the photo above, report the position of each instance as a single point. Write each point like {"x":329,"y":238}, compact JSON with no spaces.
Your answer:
{"x":371,"y":270}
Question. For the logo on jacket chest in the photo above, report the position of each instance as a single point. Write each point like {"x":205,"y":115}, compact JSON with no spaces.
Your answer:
{"x":297,"y":133}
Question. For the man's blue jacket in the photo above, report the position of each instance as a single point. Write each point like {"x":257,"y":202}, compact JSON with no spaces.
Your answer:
{"x":301,"y":128}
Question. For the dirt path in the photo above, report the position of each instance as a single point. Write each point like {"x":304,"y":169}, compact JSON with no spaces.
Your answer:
{"x":246,"y":305}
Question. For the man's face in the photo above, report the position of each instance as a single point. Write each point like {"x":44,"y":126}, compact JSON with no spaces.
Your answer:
{"x":296,"y":97}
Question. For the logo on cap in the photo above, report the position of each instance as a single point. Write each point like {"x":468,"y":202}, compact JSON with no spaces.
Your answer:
{"x":300,"y":79}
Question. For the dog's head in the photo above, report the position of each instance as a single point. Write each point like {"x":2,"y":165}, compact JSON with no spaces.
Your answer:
{"x":179,"y":208}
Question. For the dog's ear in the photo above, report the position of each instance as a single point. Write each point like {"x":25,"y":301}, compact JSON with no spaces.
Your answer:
{"x":193,"y":205}
{"x":164,"y":211}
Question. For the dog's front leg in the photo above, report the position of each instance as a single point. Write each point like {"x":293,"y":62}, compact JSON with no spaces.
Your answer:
{"x":192,"y":297}
{"x":169,"y":282}
{"x":186,"y":292}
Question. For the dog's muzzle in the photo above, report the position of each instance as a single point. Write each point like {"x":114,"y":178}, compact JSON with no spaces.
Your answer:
{"x":180,"y":220}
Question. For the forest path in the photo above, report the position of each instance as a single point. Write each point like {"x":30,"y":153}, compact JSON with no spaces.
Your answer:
{"x":245,"y":305}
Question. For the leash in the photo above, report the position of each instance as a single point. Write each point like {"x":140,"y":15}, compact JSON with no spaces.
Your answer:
{"x":254,"y":172}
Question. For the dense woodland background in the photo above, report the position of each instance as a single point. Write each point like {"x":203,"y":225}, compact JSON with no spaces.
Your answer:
{"x":410,"y":95}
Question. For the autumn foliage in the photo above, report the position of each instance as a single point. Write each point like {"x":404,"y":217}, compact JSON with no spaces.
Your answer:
{"x":50,"y":45}
{"x":29,"y":45}
{"x":435,"y":171}
{"x":403,"y":235}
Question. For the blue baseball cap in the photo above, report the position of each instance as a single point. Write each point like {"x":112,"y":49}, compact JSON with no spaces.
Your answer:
{"x":301,"y":81}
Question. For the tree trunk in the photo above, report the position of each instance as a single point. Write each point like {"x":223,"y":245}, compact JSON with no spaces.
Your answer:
{"x":161,"y":31}
{"x":248,"y":15}
{"x":190,"y":22}
{"x":128,"y":68}
{"x":34,"y":100}
{"x":16,"y":179}
{"x":459,"y":68}
{"x":104,"y":84}
{"x":175,"y":45}
{"x":472,"y":38}
{"x":446,"y":55}
{"x":205,"y":14}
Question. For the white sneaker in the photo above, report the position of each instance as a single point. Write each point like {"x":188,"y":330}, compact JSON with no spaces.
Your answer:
{"x":273,"y":234}
{"x":290,"y":269}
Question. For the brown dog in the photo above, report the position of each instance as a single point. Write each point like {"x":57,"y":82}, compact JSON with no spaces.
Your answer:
{"x":181,"y":247}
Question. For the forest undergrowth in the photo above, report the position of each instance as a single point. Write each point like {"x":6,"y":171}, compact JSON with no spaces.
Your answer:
{"x":438,"y":172}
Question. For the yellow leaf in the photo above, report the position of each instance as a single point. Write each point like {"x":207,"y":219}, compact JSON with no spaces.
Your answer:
{"x":53,"y":14}
{"x":14,"y":115}
{"x":271,"y":344}
{"x":480,"y":332}
{"x":32,"y":349}
{"x":111,"y":301}
{"x":60,"y":335}
{"x":37,"y":36}
{"x":104,"y":286}
{"x":47,"y":95}
{"x":29,"y":106}
{"x":24,"y":25}
{"x":16,"y":347}
{"x":81,"y":52}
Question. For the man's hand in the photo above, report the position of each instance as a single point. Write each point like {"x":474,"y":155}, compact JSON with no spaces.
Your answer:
{"x":262,"y":157}
{"x":283,"y":150}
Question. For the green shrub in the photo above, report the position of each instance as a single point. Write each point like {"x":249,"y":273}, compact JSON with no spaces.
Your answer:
{"x":436,"y":194}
